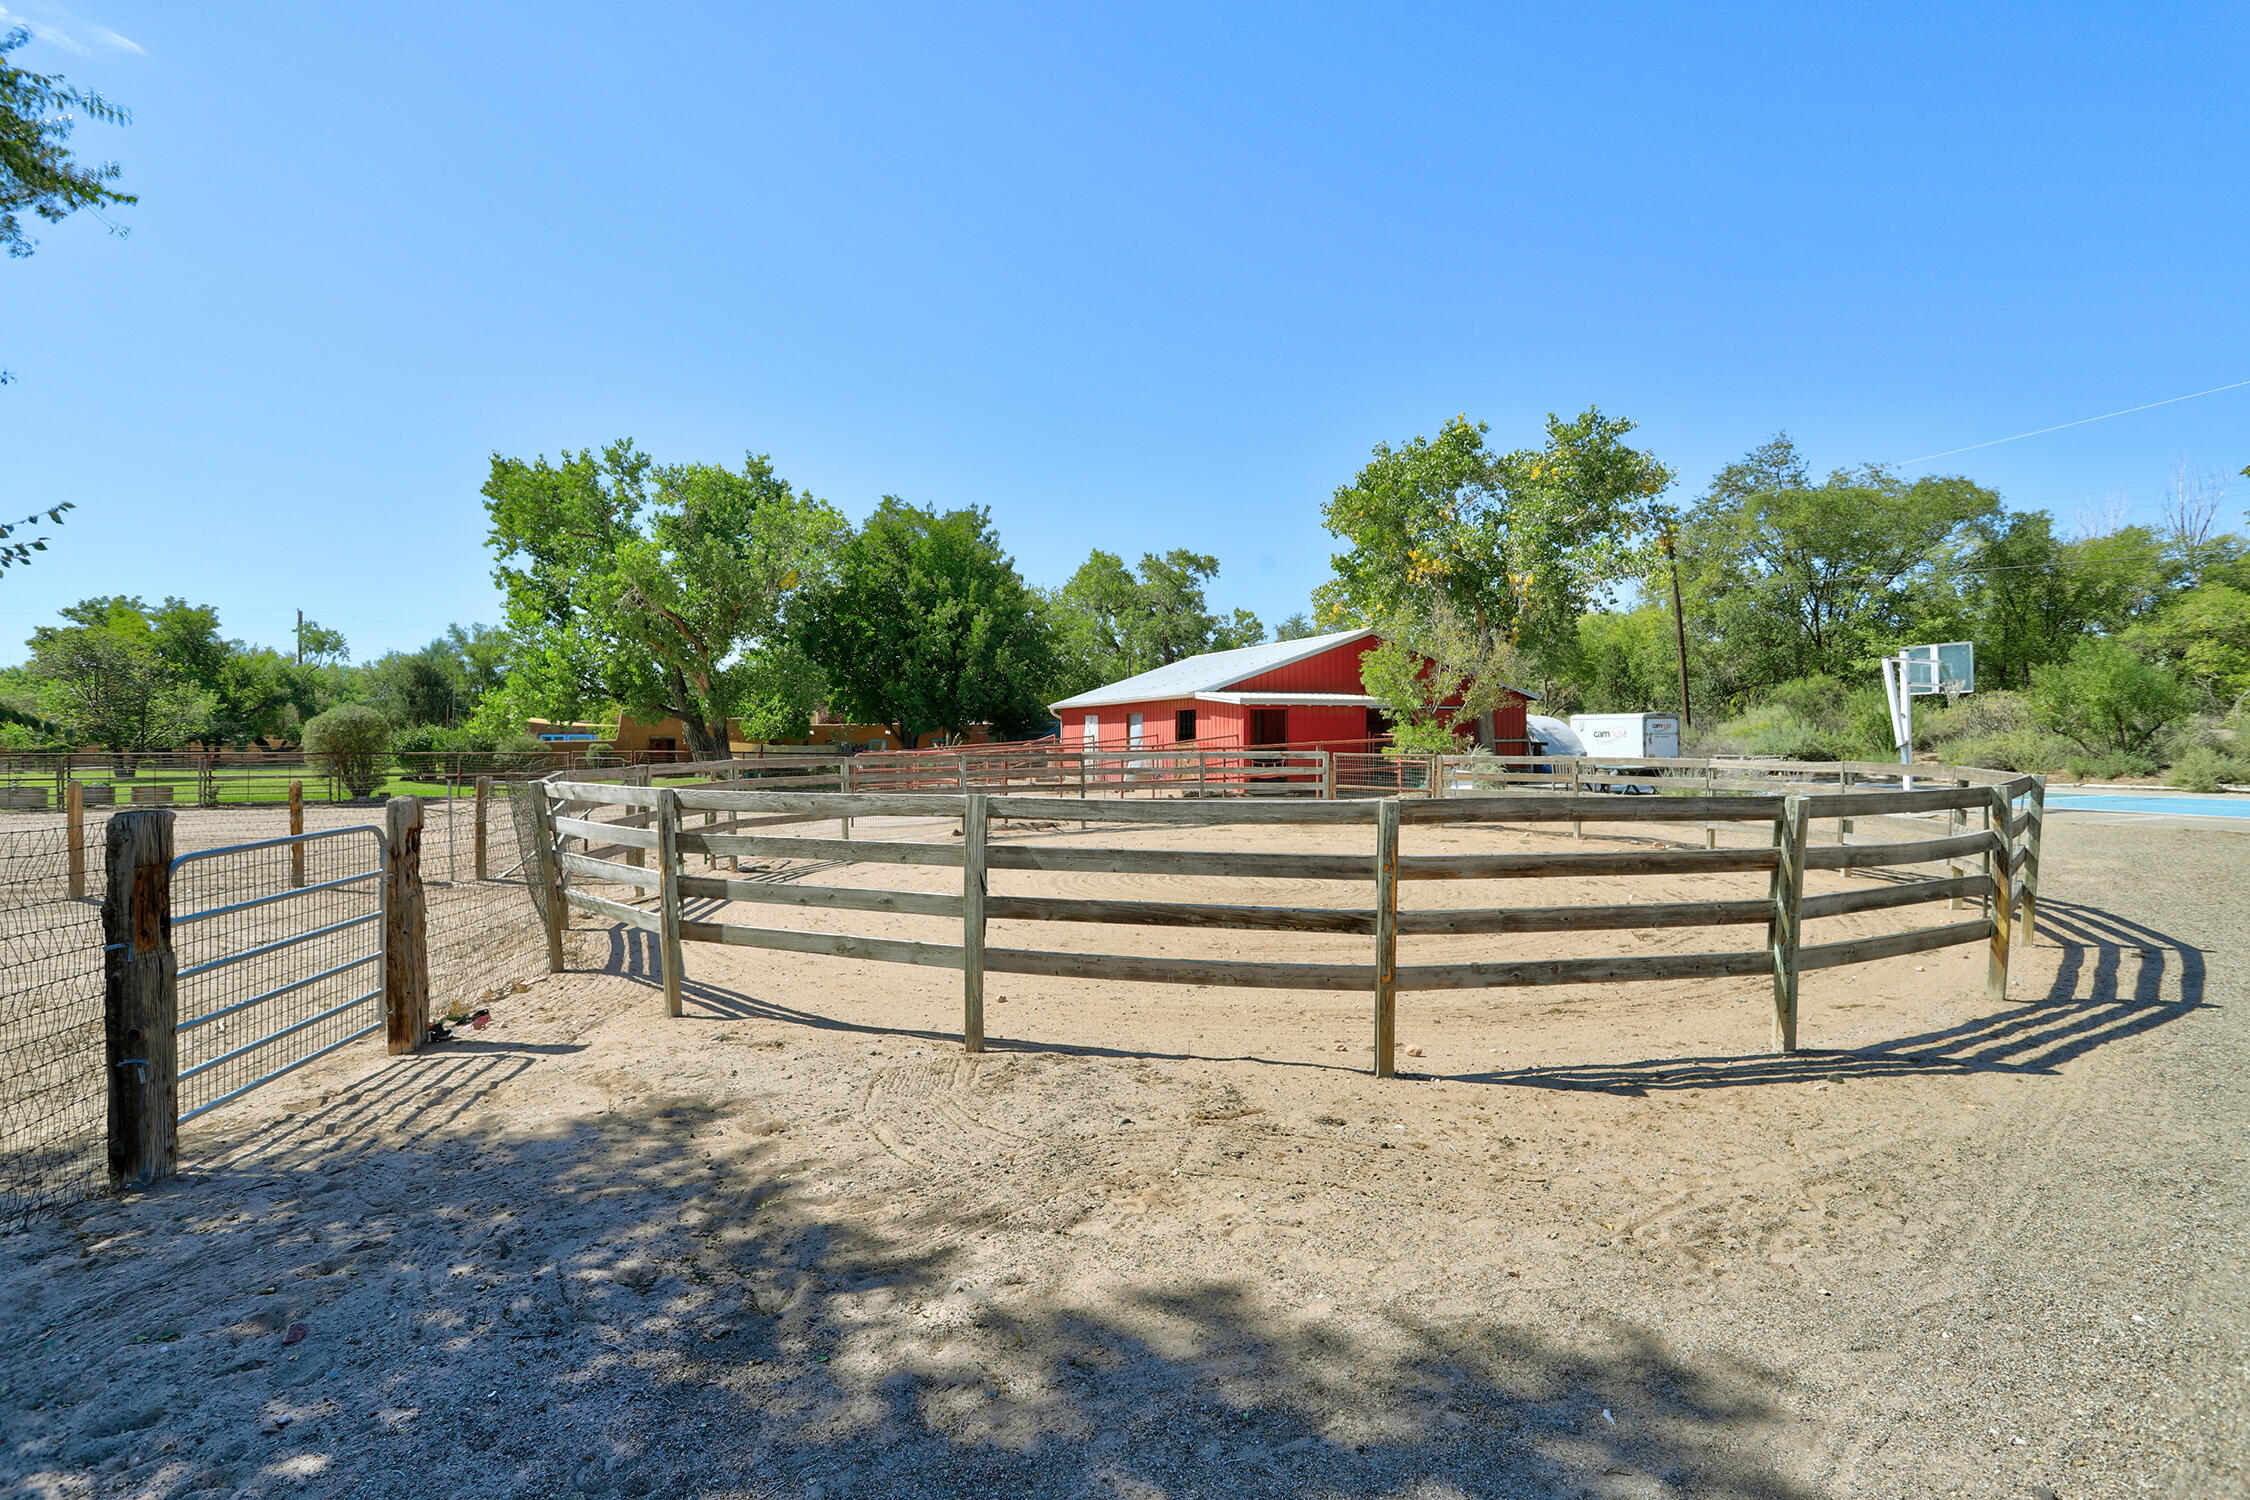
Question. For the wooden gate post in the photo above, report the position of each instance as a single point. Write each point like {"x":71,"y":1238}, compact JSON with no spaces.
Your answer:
{"x":140,"y":1001}
{"x":1787,"y":926}
{"x":2027,"y":879}
{"x":481,"y":841}
{"x":296,"y":830}
{"x":974,"y":822}
{"x":1386,"y":937}
{"x":74,"y":829}
{"x":406,"y":954}
{"x":547,"y":870}
{"x":2002,"y":859}
{"x":668,"y":889}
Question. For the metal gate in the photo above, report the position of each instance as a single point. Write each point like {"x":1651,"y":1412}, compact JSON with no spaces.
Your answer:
{"x":280,"y":952}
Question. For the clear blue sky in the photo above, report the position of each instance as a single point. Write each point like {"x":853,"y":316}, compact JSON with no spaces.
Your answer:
{"x":1133,"y":277}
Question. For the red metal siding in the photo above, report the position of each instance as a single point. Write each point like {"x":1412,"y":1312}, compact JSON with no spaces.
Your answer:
{"x":1335,"y":670}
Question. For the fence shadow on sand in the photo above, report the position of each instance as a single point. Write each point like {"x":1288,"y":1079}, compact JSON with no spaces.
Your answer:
{"x":2117,"y":979}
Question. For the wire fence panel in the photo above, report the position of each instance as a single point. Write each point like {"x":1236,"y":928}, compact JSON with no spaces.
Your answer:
{"x":279,"y":945}
{"x":485,"y":936}
{"x":53,"y":1098}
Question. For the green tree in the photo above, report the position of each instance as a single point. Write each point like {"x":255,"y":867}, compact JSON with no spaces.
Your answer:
{"x":1621,"y":662}
{"x":927,"y":627}
{"x":1514,"y":546}
{"x":1798,"y":579}
{"x":1295,"y":627}
{"x":2204,"y":634}
{"x":1114,"y":622}
{"x":349,"y":742}
{"x":107,"y":684}
{"x":667,"y":590}
{"x":1450,"y":675}
{"x":14,"y":553}
{"x":37,"y":172}
{"x":2107,"y":698}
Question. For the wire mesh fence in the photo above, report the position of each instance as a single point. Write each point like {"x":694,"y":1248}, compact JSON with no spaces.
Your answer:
{"x":279,"y":945}
{"x":53,"y":1099}
{"x":305,"y":974}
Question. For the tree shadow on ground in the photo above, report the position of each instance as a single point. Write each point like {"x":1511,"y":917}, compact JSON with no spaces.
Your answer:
{"x":644,"y":1301}
{"x":2091,"y":1003}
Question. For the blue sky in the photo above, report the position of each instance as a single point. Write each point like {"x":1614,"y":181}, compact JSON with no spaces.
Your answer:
{"x":1132,"y":277}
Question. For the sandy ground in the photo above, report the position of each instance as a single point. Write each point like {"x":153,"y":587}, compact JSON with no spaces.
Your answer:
{"x":1164,"y":1241}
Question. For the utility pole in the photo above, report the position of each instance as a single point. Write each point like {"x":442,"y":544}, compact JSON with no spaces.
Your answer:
{"x":300,"y":637}
{"x":1679,"y":626}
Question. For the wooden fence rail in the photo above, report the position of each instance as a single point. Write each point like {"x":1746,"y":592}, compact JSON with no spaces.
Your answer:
{"x":652,"y":819}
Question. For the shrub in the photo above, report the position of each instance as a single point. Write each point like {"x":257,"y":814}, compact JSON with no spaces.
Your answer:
{"x":2108,"y":699}
{"x":349,"y":742}
{"x":2205,"y":768}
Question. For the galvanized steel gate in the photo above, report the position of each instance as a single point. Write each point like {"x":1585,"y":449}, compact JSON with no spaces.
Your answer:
{"x":297,"y":923}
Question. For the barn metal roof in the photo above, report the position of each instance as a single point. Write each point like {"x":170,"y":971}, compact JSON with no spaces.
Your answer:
{"x":1211,"y":672}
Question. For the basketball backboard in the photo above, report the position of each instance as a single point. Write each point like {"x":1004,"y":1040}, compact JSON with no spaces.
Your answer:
{"x":1950,"y":667}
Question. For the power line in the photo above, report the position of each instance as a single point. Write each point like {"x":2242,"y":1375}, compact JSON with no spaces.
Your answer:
{"x":2082,"y":421}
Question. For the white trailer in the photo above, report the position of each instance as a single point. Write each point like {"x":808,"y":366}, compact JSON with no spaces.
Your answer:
{"x":1629,"y":736}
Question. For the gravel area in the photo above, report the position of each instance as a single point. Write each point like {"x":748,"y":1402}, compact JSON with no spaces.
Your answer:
{"x":1167,"y":1243}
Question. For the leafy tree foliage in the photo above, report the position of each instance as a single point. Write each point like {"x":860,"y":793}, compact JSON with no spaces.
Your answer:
{"x":1112,"y":622}
{"x":37,"y":171}
{"x":349,"y":743}
{"x":1295,"y":627}
{"x":14,"y":553}
{"x":2107,"y":698}
{"x":105,"y":680}
{"x":1800,"y":579}
{"x":926,"y":626}
{"x":668,"y":590}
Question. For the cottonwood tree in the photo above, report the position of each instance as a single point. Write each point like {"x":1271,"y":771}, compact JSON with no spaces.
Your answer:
{"x":105,"y":681}
{"x":668,"y":590}
{"x":1113,"y":622}
{"x":927,"y":627}
{"x":1451,"y":542}
{"x":37,"y":172}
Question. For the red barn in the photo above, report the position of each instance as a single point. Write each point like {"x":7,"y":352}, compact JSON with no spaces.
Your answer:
{"x":1304,"y":692}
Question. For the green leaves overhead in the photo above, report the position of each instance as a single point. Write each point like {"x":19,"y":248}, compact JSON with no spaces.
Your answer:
{"x":37,"y":171}
{"x":665,"y":589}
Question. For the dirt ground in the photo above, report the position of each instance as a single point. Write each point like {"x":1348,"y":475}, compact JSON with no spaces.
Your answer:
{"x":1172,"y":1242}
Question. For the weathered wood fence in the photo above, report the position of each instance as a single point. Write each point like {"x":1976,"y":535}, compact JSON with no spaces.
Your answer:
{"x":580,"y":846}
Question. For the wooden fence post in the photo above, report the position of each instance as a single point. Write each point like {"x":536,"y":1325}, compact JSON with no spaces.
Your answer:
{"x":1787,"y":926}
{"x":547,"y":870}
{"x":1327,"y":776}
{"x":974,"y":822}
{"x":406,"y":954}
{"x":668,"y":887}
{"x":481,"y":846}
{"x":2027,"y":880}
{"x":1386,"y":937}
{"x":74,"y":829}
{"x":638,"y":776}
{"x":296,"y":830}
{"x":2002,"y":860}
{"x":140,"y":1002}
{"x":1710,"y":829}
{"x":1956,"y":822}
{"x":1577,"y":772}
{"x":845,"y":775}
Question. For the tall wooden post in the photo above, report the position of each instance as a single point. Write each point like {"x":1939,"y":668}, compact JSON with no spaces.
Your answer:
{"x":1710,"y":829}
{"x":974,"y":823}
{"x":638,"y":776}
{"x":2027,"y":879}
{"x":482,"y":846}
{"x":547,"y":870}
{"x":1787,"y":925}
{"x":668,"y":894}
{"x":1386,"y":937}
{"x":140,"y":1002}
{"x":844,"y":776}
{"x":406,"y":954}
{"x":296,"y":831}
{"x":1577,"y":784}
{"x":2002,"y":860}
{"x":74,"y":829}
{"x":1327,"y":775}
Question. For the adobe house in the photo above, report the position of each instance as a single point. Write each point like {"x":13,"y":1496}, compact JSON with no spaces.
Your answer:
{"x":1304,"y":693}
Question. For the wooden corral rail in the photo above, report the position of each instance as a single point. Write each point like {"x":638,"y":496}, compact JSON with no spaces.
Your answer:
{"x":644,"y":820}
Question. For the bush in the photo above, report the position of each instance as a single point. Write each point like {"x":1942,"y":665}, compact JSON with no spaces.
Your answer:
{"x":349,"y":742}
{"x":2205,"y":768}
{"x":2023,"y":749}
{"x":2107,"y":698}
